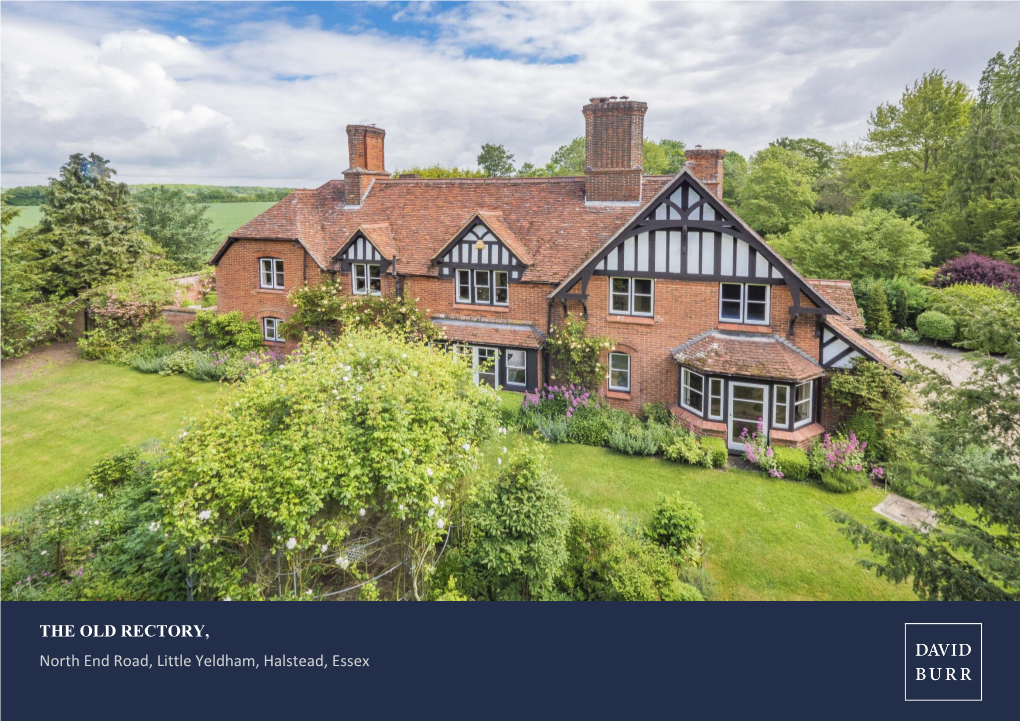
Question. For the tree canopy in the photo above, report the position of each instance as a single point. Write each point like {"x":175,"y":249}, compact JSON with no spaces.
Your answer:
{"x":178,"y":224}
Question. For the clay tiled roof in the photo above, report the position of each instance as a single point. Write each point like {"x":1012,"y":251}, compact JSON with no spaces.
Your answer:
{"x":490,"y":332}
{"x":752,"y":355}
{"x":380,"y":236}
{"x":546,"y":218}
{"x":840,"y":295}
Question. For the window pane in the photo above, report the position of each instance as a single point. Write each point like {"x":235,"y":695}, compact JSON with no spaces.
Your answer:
{"x":482,"y":290}
{"x":621,"y":303}
{"x":502,"y":293}
{"x":619,"y":380}
{"x":803,"y":392}
{"x":696,"y":382}
{"x":516,"y":367}
{"x":464,"y":286}
{"x":715,"y":407}
{"x":621,"y":285}
{"x":643,"y":304}
{"x":619,"y":361}
{"x":642,"y":286}
{"x":756,"y":292}
{"x":755,"y":312}
{"x":693,"y":399}
{"x":279,"y":274}
{"x":731,"y":291}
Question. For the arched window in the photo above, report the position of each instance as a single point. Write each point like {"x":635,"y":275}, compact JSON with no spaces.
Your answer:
{"x":619,"y":372}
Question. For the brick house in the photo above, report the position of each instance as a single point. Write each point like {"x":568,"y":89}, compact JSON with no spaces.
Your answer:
{"x":706,"y":317}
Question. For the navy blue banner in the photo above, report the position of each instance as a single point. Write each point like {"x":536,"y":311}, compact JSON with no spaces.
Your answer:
{"x":480,"y":660}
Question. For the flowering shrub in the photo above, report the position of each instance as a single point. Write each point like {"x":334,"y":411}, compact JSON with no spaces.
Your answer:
{"x":576,"y":355}
{"x":980,"y":270}
{"x":557,"y":400}
{"x":839,"y":453}
{"x":757,"y":451}
{"x":356,"y":433}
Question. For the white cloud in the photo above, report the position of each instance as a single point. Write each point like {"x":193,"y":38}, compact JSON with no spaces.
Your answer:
{"x":268,"y":99}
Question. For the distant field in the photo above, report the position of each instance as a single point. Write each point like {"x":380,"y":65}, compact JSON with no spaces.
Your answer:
{"x":226,"y":217}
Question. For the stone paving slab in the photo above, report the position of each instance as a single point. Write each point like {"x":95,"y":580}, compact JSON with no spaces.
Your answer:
{"x":906,"y":512}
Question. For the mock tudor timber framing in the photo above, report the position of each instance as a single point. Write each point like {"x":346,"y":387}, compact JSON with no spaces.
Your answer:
{"x":661,"y":220}
{"x":461,"y":253}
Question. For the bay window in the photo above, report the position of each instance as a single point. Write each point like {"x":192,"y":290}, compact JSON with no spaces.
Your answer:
{"x":781,"y":407}
{"x":715,"y":398}
{"x":692,"y":391}
{"x":802,"y":400}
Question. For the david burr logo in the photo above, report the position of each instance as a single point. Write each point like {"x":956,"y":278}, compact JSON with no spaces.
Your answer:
{"x":942,"y":661}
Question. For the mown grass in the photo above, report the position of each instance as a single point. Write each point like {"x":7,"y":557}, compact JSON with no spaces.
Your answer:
{"x":767,"y":539}
{"x":63,"y":418}
{"x":225,"y":217}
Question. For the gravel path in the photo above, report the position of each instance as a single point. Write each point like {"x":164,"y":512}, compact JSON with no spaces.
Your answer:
{"x":948,"y":361}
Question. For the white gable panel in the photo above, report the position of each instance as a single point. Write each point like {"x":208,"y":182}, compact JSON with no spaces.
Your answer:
{"x":613,"y":259}
{"x":726,"y":257}
{"x":675,"y":256}
{"x":628,"y":253}
{"x":742,"y":257}
{"x":709,"y":213}
{"x":660,"y":212}
{"x":761,"y":266}
{"x":826,"y":334}
{"x":642,"y":252}
{"x":846,"y":361}
{"x":833,"y":349}
{"x":693,"y":252}
{"x":660,"y":253}
{"x":708,"y":253}
{"x":692,"y":197}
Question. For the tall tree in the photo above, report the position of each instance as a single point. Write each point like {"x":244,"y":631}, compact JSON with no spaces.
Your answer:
{"x":734,"y":177}
{"x":867,"y":244}
{"x":917,"y":133}
{"x":496,"y":161}
{"x":178,"y":224}
{"x":665,"y":157}
{"x":822,"y":154}
{"x":90,"y":233}
{"x":778,"y":193}
{"x":963,"y":457}
{"x":568,"y":159}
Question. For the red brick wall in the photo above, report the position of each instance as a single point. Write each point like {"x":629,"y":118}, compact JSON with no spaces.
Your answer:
{"x":237,"y":279}
{"x":683,"y":309}
{"x":528,"y":301}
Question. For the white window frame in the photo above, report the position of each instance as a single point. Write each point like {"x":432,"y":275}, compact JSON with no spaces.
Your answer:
{"x":273,"y":268}
{"x":274,"y":335}
{"x":684,"y":375}
{"x":463,"y":298}
{"x":475,"y":286}
{"x":743,"y":304}
{"x":619,"y":389}
{"x":630,"y":296}
{"x":810,"y":400}
{"x":711,"y":395}
{"x":511,"y":367}
{"x":785,"y":404}
{"x":363,"y":272}
{"x":496,"y":287}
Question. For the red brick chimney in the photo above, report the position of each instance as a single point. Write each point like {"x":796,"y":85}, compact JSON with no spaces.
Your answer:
{"x":614,"y":149}
{"x":707,"y":166}
{"x":367,"y":158}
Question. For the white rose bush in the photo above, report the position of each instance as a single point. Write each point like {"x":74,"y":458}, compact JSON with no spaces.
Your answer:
{"x":361,"y":430}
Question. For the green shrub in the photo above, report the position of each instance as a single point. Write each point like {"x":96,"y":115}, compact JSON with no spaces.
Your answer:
{"x":553,"y":430}
{"x":839,"y":481}
{"x":877,"y":317}
{"x":510,"y":415}
{"x":658,"y":413}
{"x":210,"y":300}
{"x":686,"y":448}
{"x":606,"y":561}
{"x":636,"y":440}
{"x":591,"y":426}
{"x":97,"y":344}
{"x":717,"y":450}
{"x":987,"y":319}
{"x":937,"y":326}
{"x":222,"y":331}
{"x":114,"y":470}
{"x":517,"y":526}
{"x":677,"y":525}
{"x":865,"y":426}
{"x":793,"y":462}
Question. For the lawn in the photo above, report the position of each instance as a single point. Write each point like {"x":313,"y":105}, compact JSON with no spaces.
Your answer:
{"x":61,"y":419}
{"x":767,"y":539}
{"x":225,"y":217}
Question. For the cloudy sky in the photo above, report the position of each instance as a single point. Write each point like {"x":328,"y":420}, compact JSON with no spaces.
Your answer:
{"x":260,"y":93}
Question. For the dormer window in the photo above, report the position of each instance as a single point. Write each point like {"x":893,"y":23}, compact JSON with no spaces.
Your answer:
{"x":483,"y":287}
{"x":271,"y":273}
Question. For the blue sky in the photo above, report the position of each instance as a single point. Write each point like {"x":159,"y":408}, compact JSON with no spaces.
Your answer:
{"x":261,"y":92}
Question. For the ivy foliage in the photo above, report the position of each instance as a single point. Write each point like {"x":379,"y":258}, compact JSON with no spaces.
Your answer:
{"x":365,"y":430}
{"x":575,"y":355}
{"x":225,"y":331}
{"x":874,"y":389}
